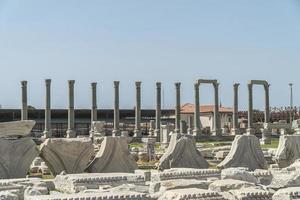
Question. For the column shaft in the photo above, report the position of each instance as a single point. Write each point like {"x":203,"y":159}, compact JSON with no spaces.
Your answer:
{"x":116,"y":129}
{"x":235,"y":116}
{"x":177,"y":110}
{"x":267,"y":104}
{"x":196,"y":130}
{"x":158,"y":112}
{"x":217,"y":123}
{"x":250,"y":108}
{"x":47,"y":131}
{"x":24,"y":111}
{"x":71,"y":113}
{"x":137,"y":129}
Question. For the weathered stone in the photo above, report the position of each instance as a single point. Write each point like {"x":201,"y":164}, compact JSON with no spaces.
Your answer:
{"x":16,"y":156}
{"x":74,"y":183}
{"x":238,"y":174}
{"x":16,"y":128}
{"x":157,"y":189}
{"x":8,"y":195}
{"x":71,"y":155}
{"x":245,"y":152}
{"x":186,"y":173}
{"x":99,"y":196}
{"x":229,"y":184}
{"x":285,"y":178}
{"x":113,"y":156}
{"x":182,"y":153}
{"x":191,"y":193}
{"x":264,"y":177}
{"x":288,"y":150}
{"x":251,"y":194}
{"x":292,"y":193}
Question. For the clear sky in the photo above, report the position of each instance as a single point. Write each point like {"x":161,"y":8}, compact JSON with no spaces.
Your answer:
{"x":167,"y":41}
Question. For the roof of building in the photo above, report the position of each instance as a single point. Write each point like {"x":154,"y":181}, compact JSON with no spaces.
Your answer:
{"x":190,"y":108}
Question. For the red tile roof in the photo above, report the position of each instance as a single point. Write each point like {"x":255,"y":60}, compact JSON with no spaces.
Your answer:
{"x":190,"y":108}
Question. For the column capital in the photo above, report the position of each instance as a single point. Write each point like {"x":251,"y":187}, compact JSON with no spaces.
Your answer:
{"x":250,"y":85}
{"x":177,"y":85}
{"x":116,"y":83}
{"x":138,"y":83}
{"x":236,"y":85}
{"x":94,"y":84}
{"x":71,"y":82}
{"x":24,"y":83}
{"x":216,"y":84}
{"x":48,"y":81}
{"x":196,"y":85}
{"x":158,"y":84}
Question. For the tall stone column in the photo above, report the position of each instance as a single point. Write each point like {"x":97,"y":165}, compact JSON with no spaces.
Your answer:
{"x":197,"y":130}
{"x":137,"y":129}
{"x":158,"y":112}
{"x":267,"y":103}
{"x":116,"y":129}
{"x":71,"y":133}
{"x":235,"y":128}
{"x":177,"y":110}
{"x":24,"y":111}
{"x":217,"y":123}
{"x":94,"y":116}
{"x":48,"y":131}
{"x":250,"y":109}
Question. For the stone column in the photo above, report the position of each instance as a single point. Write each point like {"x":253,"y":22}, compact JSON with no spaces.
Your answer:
{"x":116,"y":129}
{"x":267,"y":103}
{"x":235,"y":117}
{"x":177,"y":110}
{"x":71,"y":133}
{"x":183,"y":127}
{"x":47,"y":131}
{"x":190,"y":125}
{"x":137,"y":129}
{"x":158,"y":112}
{"x":24,"y":111}
{"x":197,"y":130}
{"x":217,"y":123}
{"x":94,"y":105}
{"x":250,"y":109}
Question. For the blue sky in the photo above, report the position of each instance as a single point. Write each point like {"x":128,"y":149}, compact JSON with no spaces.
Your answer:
{"x":167,"y":41}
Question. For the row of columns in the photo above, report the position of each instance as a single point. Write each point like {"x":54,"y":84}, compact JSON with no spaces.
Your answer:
{"x":116,"y":129}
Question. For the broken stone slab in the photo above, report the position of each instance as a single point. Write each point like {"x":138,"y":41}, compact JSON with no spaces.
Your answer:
{"x":70,"y":155}
{"x":229,"y":184}
{"x":288,"y":150}
{"x":251,"y":194}
{"x":238,"y":174}
{"x":186,"y":173}
{"x":157,"y":189}
{"x":245,"y":152}
{"x":285,"y":178}
{"x":16,"y":156}
{"x":74,"y":183}
{"x":264,"y":177}
{"x":98,"y":196}
{"x":16,"y":128}
{"x":113,"y":156}
{"x":292,"y":193}
{"x":182,"y":153}
{"x":191,"y":193}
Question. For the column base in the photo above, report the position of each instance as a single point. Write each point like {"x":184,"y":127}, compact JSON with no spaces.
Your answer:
{"x":157,"y":134}
{"x":250,"y":131}
{"x":216,"y":132}
{"x":235,"y":131}
{"x":266,"y":136}
{"x":71,"y":133}
{"x":196,"y":132}
{"x":137,"y":133}
{"x":115,"y":132}
{"x":47,"y":134}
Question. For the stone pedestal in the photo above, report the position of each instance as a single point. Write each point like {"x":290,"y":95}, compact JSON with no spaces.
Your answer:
{"x":71,"y":155}
{"x":150,"y":147}
{"x":245,"y":152}
{"x":165,"y":132}
{"x":182,"y":153}
{"x":288,"y":150}
{"x":113,"y":156}
{"x":266,"y":136}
